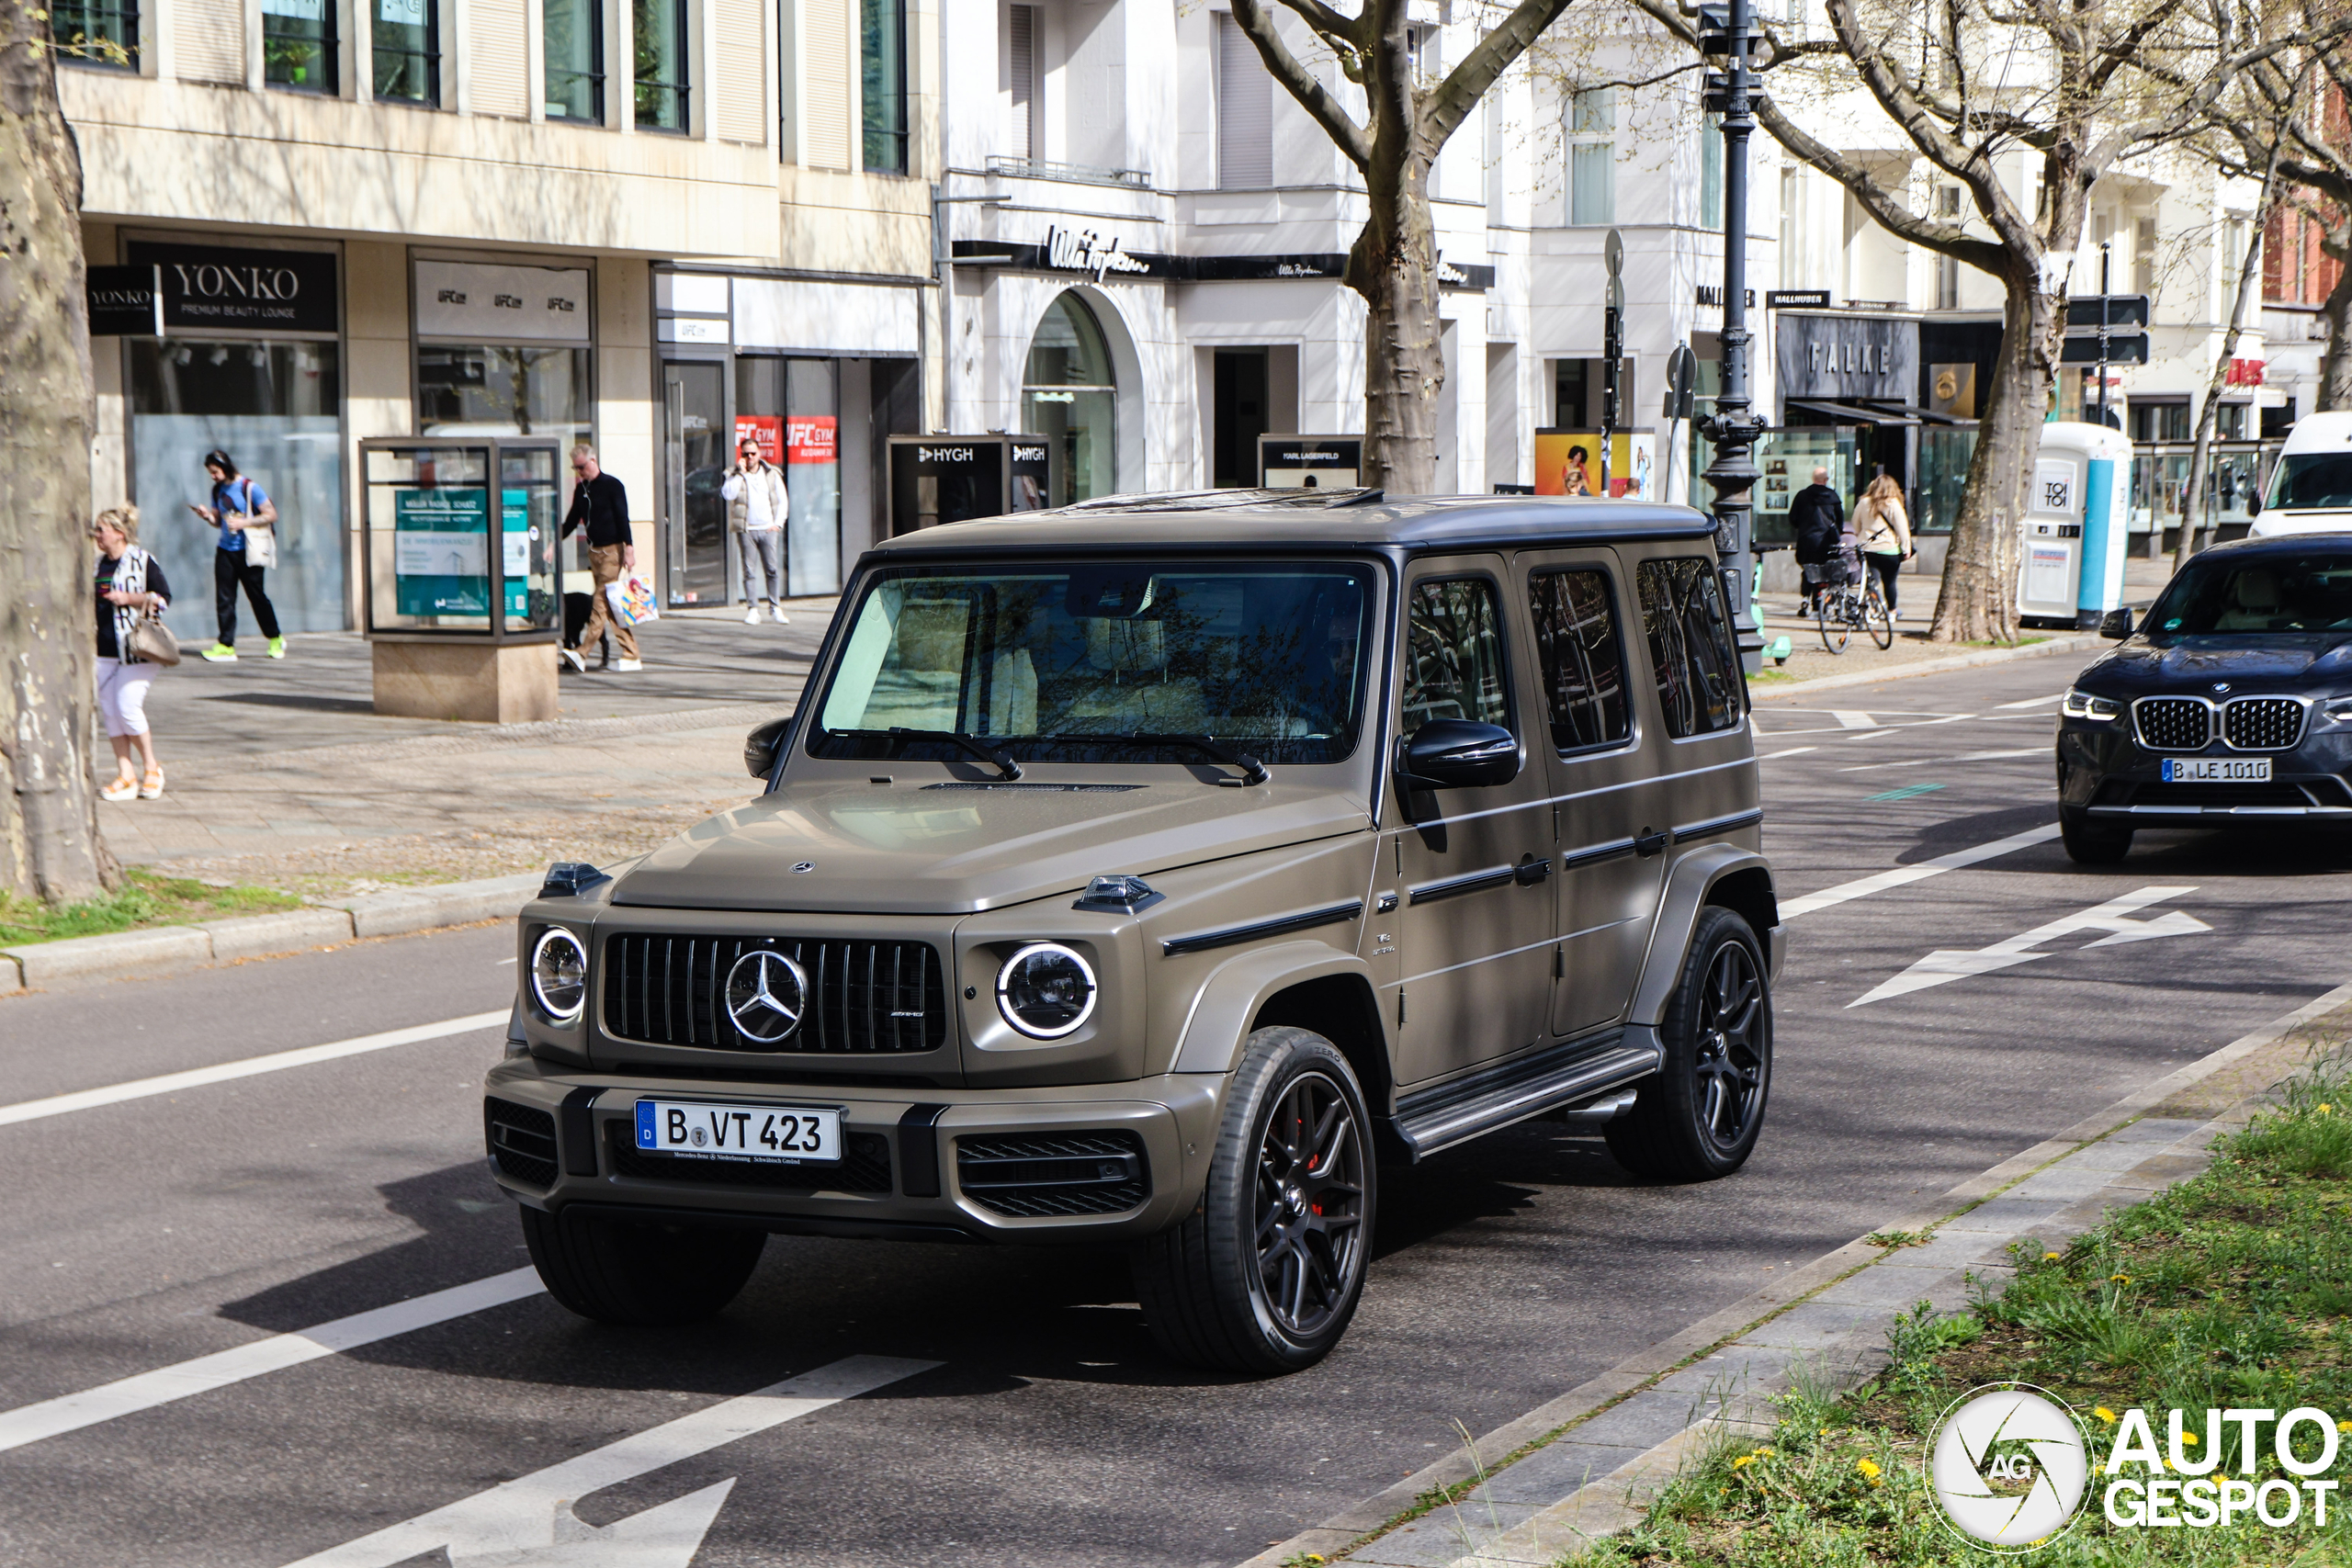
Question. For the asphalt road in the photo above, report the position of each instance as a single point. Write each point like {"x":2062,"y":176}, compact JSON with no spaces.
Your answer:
{"x":1021,"y":1416}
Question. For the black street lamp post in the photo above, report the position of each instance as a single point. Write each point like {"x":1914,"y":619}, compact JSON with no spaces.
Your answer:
{"x":1729,"y":30}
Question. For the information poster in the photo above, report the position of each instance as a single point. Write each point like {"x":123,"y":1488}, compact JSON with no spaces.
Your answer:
{"x":441,"y":550}
{"x":1567,"y":462}
{"x":765,"y":429}
{"x":515,"y":552}
{"x":812,"y":476}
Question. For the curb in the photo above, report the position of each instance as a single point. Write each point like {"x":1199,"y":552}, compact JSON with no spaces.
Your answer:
{"x":163,"y":950}
{"x":1607,"y":1503}
{"x":1930,"y":667}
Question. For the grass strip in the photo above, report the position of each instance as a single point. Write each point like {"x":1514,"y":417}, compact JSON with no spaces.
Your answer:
{"x":2229,"y":1290}
{"x":145,"y":898}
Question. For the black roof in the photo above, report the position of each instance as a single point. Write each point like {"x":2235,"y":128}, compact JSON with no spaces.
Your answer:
{"x":2279,"y":544}
{"x":1295,"y":519}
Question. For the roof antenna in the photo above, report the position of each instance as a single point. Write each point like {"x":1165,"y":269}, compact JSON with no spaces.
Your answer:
{"x":1361,"y":498}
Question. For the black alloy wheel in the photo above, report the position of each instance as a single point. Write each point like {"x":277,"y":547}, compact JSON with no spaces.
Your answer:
{"x":1265,"y":1272}
{"x":1310,"y":1207}
{"x":1698,"y":1117}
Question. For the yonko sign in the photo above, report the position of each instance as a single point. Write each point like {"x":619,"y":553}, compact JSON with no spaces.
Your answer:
{"x":2009,"y":1468}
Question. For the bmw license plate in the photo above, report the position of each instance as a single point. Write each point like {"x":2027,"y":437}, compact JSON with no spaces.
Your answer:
{"x":790,"y":1134}
{"x":2217,"y":770}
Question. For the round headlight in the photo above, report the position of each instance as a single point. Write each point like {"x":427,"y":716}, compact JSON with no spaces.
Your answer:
{"x":1046,"y":990}
{"x":559,"y":974}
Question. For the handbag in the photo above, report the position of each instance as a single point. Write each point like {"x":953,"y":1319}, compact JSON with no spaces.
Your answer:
{"x":632,"y":600}
{"x":261,"y":538}
{"x":152,"y":642}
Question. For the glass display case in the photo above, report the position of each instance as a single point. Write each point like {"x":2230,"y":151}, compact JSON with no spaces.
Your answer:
{"x":459,"y":537}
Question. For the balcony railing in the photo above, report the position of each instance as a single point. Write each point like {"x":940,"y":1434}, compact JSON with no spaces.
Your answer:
{"x":1069,"y":174}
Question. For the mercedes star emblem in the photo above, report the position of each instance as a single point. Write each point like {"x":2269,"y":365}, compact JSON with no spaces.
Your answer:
{"x":767,"y":993}
{"x":804,"y":867}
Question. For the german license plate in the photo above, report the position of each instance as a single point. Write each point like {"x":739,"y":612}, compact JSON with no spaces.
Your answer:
{"x":788,"y":1134}
{"x":2217,"y":770}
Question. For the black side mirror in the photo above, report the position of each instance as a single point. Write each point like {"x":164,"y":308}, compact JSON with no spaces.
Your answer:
{"x":2116,"y":624}
{"x":762,"y":747}
{"x":1454,"y":753}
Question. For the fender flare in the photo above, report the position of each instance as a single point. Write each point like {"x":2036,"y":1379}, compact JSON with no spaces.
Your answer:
{"x":1219,"y":1019}
{"x":1692,"y":878}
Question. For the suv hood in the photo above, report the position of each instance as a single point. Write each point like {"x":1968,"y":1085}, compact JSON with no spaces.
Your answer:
{"x":2179,"y":664}
{"x":888,"y":849}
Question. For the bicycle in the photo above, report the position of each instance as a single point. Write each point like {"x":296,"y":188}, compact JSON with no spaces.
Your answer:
{"x":1853,"y":599}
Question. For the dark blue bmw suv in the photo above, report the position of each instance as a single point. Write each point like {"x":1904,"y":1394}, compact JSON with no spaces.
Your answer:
{"x":2230,"y":707}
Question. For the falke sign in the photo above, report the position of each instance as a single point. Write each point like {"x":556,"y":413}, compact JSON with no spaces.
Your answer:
{"x":210,"y":287}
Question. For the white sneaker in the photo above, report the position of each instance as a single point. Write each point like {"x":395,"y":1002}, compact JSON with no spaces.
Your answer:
{"x":777,"y":611}
{"x":571,"y":656}
{"x":627,"y":664}
{"x":752,"y":616}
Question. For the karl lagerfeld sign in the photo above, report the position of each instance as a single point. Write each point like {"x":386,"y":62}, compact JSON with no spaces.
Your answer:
{"x":209,"y":287}
{"x":1846,"y":357}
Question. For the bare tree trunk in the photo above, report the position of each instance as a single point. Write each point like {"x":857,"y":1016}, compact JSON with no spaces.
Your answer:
{"x":2192,"y":509}
{"x":49,"y":825}
{"x":1979,"y":599}
{"x":1394,"y":266}
{"x":2335,"y":363}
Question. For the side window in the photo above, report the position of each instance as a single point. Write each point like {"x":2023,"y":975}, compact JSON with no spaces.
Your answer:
{"x":1454,"y":655}
{"x":1583,"y":664}
{"x":1699,"y":684}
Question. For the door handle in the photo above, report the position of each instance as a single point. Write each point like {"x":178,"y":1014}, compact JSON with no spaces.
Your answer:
{"x":1531,"y":871}
{"x":1650,"y":841}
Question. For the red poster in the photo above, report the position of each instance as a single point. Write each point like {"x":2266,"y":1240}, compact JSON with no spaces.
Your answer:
{"x":809,"y":439}
{"x":765,"y":429}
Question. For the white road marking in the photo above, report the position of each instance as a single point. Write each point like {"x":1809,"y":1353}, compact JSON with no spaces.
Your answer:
{"x":2028,"y":702}
{"x":197,"y":1078}
{"x":528,"y":1522}
{"x":1850,"y":718}
{"x":1904,"y":876}
{"x":72,"y":1412}
{"x":1971,"y":757}
{"x":1947,"y":964}
{"x":1792,"y":751}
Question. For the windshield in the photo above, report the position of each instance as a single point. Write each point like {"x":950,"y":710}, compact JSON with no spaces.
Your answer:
{"x":2311,"y":480}
{"x":1054,"y":662}
{"x":2265,"y":593}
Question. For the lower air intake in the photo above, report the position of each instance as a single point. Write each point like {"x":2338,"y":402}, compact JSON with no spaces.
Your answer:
{"x":1029,"y":1176}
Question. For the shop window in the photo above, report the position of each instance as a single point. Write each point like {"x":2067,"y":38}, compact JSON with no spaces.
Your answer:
{"x":299,"y":45}
{"x":792,"y":407}
{"x":1245,"y":110}
{"x":660,"y":56}
{"x":1592,"y":156}
{"x":501,"y":390}
{"x":2159,"y":422}
{"x":572,"y":37}
{"x":276,"y":408}
{"x":1070,"y":397}
{"x":882,"y":76}
{"x":97,"y":33}
{"x":406,"y":50}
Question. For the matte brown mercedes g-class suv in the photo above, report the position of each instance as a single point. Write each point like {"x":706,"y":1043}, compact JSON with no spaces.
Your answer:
{"x":1154,"y":871}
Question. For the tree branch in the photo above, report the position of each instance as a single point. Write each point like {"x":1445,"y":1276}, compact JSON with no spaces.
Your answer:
{"x":1450,"y":103}
{"x":1350,"y":138}
{"x":1945,"y":239}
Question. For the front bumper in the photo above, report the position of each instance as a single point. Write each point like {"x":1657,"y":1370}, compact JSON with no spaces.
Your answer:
{"x":2104,"y":773}
{"x":908,"y":1152}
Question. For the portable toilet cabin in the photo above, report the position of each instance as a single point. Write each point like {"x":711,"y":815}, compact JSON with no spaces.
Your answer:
{"x":2072,"y":543}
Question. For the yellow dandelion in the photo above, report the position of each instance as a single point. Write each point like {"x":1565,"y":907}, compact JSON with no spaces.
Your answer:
{"x":2118,"y":1279}
{"x":2190,"y":1438}
{"x":1869,"y":1470}
{"x":2344,"y":1425}
{"x":1743,"y":1462}
{"x":2326,"y":1108}
{"x":2104,"y":1413}
{"x":2050,"y":1257}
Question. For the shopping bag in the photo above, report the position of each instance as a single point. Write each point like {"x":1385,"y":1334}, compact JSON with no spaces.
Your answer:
{"x":632,"y":600}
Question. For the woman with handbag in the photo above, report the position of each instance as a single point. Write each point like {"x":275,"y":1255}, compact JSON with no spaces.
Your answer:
{"x":247,"y":519}
{"x":1885,"y":535}
{"x":132,"y":645}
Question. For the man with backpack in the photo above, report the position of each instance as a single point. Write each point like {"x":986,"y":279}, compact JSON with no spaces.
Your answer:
{"x":1819,"y":519}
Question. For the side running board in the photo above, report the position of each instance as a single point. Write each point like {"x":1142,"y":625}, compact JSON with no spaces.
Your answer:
{"x":1452,"y":1113}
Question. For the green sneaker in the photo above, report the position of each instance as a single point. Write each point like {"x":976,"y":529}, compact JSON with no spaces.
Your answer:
{"x":278,"y":648}
{"x":219,"y":653}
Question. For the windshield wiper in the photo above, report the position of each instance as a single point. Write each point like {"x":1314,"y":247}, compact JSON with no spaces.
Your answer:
{"x":1253,"y":771}
{"x":987,"y":753}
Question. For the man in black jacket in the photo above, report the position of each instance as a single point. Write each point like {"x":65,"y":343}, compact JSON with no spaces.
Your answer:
{"x":601,"y":505}
{"x":1819,"y":519}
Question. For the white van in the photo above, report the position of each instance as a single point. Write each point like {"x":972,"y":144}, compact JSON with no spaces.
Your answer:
{"x":2311,"y":490}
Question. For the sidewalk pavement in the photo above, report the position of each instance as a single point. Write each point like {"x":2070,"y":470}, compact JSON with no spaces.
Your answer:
{"x":280,"y":773}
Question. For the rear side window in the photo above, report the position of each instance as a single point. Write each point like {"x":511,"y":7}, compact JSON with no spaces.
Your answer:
{"x":1690,"y":647}
{"x":1454,"y":655}
{"x":1583,"y":664}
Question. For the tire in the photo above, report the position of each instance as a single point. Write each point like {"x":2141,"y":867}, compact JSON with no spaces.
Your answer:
{"x":2092,"y":843}
{"x":1835,"y":632}
{"x":616,"y":1271}
{"x":1697,"y":1119}
{"x":1205,"y":1282}
{"x":1877,"y":620}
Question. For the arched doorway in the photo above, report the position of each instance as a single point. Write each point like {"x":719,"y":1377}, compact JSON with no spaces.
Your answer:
{"x":1069,"y":395}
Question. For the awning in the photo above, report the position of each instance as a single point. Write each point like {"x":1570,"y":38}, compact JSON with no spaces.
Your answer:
{"x":1914,"y":415}
{"x":1848,"y":414}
